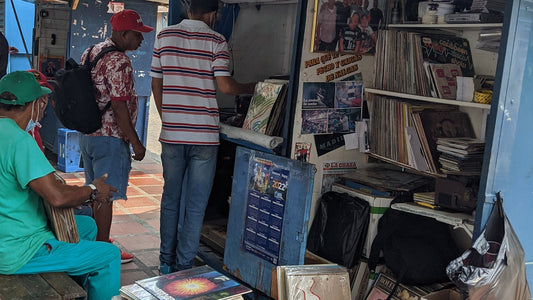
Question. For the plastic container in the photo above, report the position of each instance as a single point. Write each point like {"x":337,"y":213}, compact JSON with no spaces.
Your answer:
{"x":68,"y":157}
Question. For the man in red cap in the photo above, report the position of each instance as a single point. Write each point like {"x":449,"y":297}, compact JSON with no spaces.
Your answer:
{"x":34,"y":131}
{"x":107,"y":151}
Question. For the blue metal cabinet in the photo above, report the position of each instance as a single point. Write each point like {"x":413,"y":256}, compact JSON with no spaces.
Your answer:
{"x":269,"y":216}
{"x":509,"y":163}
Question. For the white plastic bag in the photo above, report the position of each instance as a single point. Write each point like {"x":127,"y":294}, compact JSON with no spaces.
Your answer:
{"x":494,"y":268}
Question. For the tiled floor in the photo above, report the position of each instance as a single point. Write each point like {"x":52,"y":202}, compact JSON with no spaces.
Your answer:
{"x":135,"y":227}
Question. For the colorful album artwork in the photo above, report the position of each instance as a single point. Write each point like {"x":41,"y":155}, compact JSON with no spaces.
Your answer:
{"x":197,"y":283}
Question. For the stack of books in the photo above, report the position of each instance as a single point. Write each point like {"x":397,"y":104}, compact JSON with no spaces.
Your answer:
{"x":197,"y":283}
{"x":460,"y":154}
{"x":426,"y":199}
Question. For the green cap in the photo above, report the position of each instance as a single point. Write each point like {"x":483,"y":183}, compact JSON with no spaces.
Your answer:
{"x":20,"y":87}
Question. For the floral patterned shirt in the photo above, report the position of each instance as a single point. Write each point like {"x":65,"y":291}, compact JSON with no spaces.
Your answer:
{"x":113,"y":81}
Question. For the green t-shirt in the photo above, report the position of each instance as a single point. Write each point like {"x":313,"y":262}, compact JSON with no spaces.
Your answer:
{"x":23,"y":223}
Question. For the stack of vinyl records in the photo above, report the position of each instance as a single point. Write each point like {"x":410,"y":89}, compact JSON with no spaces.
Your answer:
{"x":426,"y":199}
{"x":460,"y":154}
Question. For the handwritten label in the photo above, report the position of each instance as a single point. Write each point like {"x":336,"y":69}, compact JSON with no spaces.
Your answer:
{"x":328,"y":64}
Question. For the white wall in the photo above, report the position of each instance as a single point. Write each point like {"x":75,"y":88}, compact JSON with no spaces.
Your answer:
{"x":261,"y":43}
{"x":364,"y":64}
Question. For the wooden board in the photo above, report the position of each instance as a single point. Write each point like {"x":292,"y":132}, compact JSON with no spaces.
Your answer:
{"x":48,"y":286}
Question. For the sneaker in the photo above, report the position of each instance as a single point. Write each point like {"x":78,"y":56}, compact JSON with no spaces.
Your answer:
{"x":166,"y":269}
{"x":125,"y":257}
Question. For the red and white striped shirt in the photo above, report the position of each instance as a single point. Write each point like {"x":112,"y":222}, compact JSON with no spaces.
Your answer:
{"x":188,"y":56}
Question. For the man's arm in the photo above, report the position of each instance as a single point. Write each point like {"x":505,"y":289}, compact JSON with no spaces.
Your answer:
{"x":120,"y":109}
{"x":62,"y":195}
{"x":157,"y":91}
{"x":229,"y":86}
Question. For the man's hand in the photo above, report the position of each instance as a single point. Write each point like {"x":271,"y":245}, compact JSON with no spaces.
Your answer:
{"x":13,"y":50}
{"x":105,"y":191}
{"x":138,"y":151}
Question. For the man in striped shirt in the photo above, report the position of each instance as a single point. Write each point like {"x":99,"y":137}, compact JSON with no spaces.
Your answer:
{"x":189,"y":61}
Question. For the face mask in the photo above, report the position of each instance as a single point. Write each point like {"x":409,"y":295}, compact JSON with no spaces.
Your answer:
{"x":30,"y":128}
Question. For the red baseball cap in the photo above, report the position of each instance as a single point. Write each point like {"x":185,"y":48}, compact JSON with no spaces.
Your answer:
{"x":41,"y":78}
{"x":129,"y":20}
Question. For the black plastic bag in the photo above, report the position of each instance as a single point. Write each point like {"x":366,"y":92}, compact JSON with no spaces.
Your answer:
{"x":339,"y":229}
{"x":494,"y":267}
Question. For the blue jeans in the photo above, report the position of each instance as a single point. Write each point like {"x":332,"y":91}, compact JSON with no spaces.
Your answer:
{"x":188,"y":171}
{"x":105,"y":154}
{"x":96,"y":262}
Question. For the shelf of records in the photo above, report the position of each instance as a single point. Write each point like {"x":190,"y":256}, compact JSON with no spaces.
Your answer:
{"x":427,"y":99}
{"x":428,"y":67}
{"x":455,"y":219}
{"x":431,"y":139}
{"x":462,"y":26}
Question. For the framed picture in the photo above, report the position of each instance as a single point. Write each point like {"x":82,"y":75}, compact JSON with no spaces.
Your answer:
{"x":347,"y":26}
{"x":48,"y":65}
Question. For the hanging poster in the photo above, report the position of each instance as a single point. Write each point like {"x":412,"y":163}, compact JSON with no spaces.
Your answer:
{"x":48,"y":65}
{"x":328,"y":142}
{"x":347,"y":27}
{"x":331,"y":170}
{"x":302,"y":151}
{"x":331,"y":107}
{"x":265,"y":205}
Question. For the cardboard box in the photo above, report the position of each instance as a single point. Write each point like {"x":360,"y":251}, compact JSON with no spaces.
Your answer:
{"x":446,"y":294}
{"x":378,"y":205}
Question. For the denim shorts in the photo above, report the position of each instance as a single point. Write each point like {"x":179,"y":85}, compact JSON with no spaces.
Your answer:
{"x":104,"y":154}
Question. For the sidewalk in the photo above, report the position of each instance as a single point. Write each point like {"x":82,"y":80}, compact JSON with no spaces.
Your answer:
{"x":135,"y":227}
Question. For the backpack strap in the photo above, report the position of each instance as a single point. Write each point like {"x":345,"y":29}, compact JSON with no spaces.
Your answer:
{"x":102,"y":53}
{"x":87,"y":58}
{"x":93,"y":63}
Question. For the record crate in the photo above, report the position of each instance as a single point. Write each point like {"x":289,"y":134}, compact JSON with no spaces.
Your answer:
{"x":69,"y":155}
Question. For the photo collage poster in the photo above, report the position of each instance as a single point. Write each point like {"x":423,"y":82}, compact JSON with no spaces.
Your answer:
{"x":347,"y":26}
{"x":331,"y":107}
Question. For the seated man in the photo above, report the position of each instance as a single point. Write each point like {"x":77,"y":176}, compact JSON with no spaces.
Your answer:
{"x":27,"y":246}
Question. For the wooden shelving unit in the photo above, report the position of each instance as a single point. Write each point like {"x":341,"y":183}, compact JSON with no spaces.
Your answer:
{"x":399,"y":164}
{"x":468,"y":26}
{"x":427,"y":99}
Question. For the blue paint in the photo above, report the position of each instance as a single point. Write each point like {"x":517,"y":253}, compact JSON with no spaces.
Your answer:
{"x":90,"y":25}
{"x":25,"y":12}
{"x":508,"y":162}
{"x":229,"y":17}
{"x":246,"y":266}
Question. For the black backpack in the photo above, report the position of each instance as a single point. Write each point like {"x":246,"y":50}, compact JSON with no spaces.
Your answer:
{"x":338,"y":232}
{"x":75,"y":105}
{"x":416,"y":249}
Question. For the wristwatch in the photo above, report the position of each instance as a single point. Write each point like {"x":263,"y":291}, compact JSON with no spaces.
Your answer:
{"x":94,"y":192}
